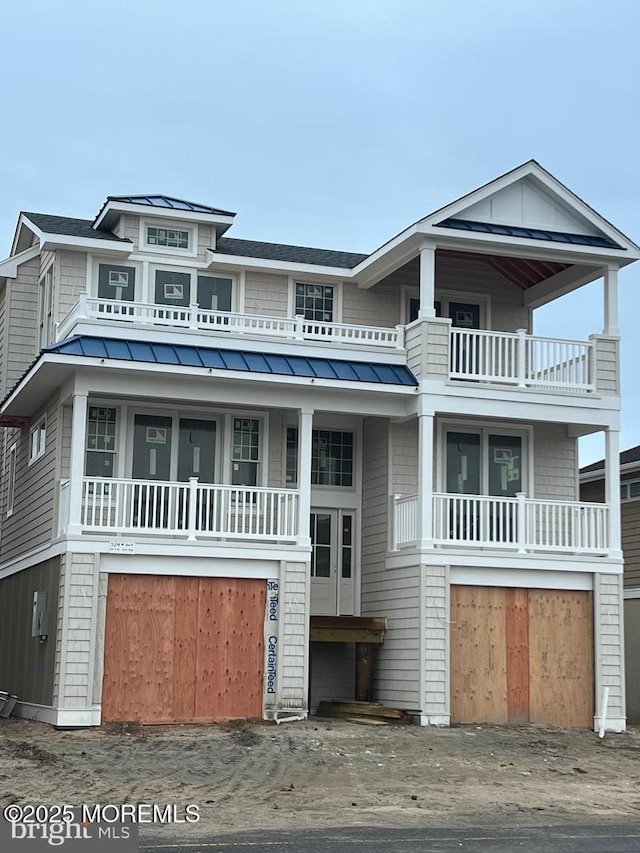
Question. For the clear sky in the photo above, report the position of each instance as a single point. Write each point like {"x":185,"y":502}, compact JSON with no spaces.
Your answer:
{"x":328,"y":123}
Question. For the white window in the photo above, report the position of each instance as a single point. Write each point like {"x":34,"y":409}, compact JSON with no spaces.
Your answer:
{"x":45,"y":310}
{"x":245,"y":456}
{"x":331,"y":457}
{"x":630,"y":490}
{"x":485,"y":461}
{"x":314,"y":302}
{"x":38,"y":441}
{"x":11,"y":476}
{"x":100,"y":455}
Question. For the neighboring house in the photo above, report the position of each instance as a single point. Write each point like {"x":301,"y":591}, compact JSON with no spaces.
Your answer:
{"x":213,"y":447}
{"x":592,"y":488}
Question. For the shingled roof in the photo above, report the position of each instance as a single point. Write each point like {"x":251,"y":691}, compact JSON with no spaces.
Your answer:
{"x":70,"y":227}
{"x":283,"y":252}
{"x":627,"y":457}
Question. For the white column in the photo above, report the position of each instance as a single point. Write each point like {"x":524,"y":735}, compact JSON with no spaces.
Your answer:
{"x":612,"y":488}
{"x":611,"y":323}
{"x":427,"y":282}
{"x":425,"y":480}
{"x":76,"y":467}
{"x":305,"y":425}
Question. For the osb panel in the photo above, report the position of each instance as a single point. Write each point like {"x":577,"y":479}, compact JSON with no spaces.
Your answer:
{"x":517,"y":640}
{"x":561,"y":685}
{"x":478,"y":655}
{"x":183,"y":648}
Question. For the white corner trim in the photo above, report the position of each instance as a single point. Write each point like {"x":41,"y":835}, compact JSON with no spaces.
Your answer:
{"x":432,"y":719}
{"x":80,"y":717}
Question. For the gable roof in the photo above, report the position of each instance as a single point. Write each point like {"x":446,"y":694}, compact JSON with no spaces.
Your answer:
{"x":627,"y":457}
{"x":69,"y":226}
{"x":283,"y":252}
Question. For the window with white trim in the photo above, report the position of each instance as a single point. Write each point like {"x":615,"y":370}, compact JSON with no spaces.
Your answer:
{"x":169,"y":238}
{"x":314,"y":302}
{"x":245,"y":453}
{"x":485,"y":462}
{"x":630,"y":490}
{"x":331,"y":457}
{"x":45,"y":310}
{"x":38,"y":440}
{"x":100,"y":451}
{"x":12,"y":465}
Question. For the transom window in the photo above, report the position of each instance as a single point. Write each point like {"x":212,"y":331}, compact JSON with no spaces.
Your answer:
{"x":314,"y":302}
{"x":245,"y":452}
{"x":331,"y":457}
{"x":630,"y":491}
{"x":101,"y":441}
{"x":170,"y":238}
{"x":38,"y":440}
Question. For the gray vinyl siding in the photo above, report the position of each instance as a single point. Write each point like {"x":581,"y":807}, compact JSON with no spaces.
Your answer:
{"x":607,"y":358}
{"x":22,"y":329}
{"x":72,"y":280}
{"x":266,"y":295}
{"x":46,"y":259}
{"x":608,"y":617}
{"x":31,"y":523}
{"x":275,"y":473}
{"x":333,"y":673}
{"x":391,"y":593}
{"x":378,"y":306}
{"x":632,"y":657}
{"x":404,"y":457}
{"x":555,"y":463}
{"x":26,"y":662}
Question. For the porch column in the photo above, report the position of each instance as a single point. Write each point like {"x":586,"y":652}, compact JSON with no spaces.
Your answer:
{"x":76,"y":465}
{"x":427,"y":282}
{"x":612,"y":489}
{"x":305,"y":425}
{"x":611,"y":324}
{"x":425,"y":479}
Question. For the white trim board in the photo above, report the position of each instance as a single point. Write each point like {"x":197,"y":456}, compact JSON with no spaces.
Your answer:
{"x":528,"y":579}
{"x":631,"y":594}
{"x":188,"y":566}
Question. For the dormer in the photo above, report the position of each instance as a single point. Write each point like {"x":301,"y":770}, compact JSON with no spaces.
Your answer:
{"x":162,"y":224}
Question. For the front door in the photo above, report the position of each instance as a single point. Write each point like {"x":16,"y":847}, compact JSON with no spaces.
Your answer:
{"x":332,"y":562}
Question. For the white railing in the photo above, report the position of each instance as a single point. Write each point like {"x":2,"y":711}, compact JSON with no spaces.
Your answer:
{"x":63,"y":506}
{"x":521,"y":524}
{"x":522,"y":359}
{"x":200,"y":319}
{"x":195,"y":510}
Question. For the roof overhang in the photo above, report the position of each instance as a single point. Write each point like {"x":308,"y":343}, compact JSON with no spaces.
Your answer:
{"x":113,"y":209}
{"x":9,"y":267}
{"x":216,"y":259}
{"x":64,"y":241}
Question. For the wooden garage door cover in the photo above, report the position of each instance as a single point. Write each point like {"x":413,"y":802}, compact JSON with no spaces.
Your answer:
{"x":183,"y":649}
{"x":521,"y":655}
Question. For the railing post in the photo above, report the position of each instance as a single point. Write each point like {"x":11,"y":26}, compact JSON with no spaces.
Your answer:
{"x":298,"y":332}
{"x":521,"y":522}
{"x":82,"y":307}
{"x":193,"y":505}
{"x":395,"y":521}
{"x":399,"y":337}
{"x":522,"y":357}
{"x":193,"y":315}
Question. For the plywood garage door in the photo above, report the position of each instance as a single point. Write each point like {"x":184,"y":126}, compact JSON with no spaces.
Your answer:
{"x":179,"y":648}
{"x":521,"y":655}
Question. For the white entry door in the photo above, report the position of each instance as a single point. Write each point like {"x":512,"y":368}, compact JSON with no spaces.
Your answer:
{"x":332,"y":562}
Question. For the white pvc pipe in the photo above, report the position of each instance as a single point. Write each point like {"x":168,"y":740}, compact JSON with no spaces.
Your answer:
{"x":603,"y":712}
{"x":291,"y":719}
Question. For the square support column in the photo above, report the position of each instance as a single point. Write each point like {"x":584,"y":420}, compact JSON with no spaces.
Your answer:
{"x":76,"y":467}
{"x":611,"y":323}
{"x":612,"y":489}
{"x":425,"y":479}
{"x":427,"y":282}
{"x":305,"y":426}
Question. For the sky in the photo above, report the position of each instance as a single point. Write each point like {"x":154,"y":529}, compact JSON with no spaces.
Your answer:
{"x":333,"y":123}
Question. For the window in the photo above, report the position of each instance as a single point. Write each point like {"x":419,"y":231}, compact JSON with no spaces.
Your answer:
{"x":331,"y":457}
{"x":630,"y":490}
{"x":116,"y":282}
{"x":100,"y":454}
{"x":45,"y":310}
{"x":484,"y":462}
{"x":214,"y":294}
{"x":245,"y":455}
{"x":170,"y":238}
{"x":172,"y":288}
{"x":314,"y":302}
{"x":11,"y":476}
{"x":38,"y":440}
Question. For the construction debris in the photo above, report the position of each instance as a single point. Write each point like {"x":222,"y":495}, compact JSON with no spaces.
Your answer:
{"x":369,"y":713}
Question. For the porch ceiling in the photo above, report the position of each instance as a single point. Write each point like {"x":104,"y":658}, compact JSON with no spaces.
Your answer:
{"x":523,"y":272}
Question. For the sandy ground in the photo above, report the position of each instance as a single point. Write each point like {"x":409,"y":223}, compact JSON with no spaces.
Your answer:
{"x":329,"y":773}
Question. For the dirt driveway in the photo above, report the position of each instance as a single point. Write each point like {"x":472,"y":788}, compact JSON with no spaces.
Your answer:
{"x":329,"y":773}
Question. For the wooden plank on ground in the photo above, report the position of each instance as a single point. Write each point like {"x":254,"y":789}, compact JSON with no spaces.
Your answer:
{"x":345,"y":635}
{"x":561,"y":685}
{"x":517,"y":643}
{"x":478,"y":655}
{"x":360,"y":709}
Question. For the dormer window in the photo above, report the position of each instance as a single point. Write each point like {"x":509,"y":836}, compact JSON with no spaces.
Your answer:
{"x":170,"y":238}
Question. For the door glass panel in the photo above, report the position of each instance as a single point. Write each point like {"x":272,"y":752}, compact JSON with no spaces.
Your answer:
{"x":116,"y":282}
{"x":320,"y":545}
{"x":347,"y":546}
{"x":172,"y":288}
{"x":214,"y":294}
{"x":505,"y":465}
{"x":197,"y":450}
{"x":151,"y":447}
{"x":463,"y":463}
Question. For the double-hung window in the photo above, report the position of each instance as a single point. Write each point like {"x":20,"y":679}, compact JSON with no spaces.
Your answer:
{"x":100,"y":453}
{"x":245,"y":454}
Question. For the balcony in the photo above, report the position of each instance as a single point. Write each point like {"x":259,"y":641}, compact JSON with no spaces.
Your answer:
{"x":195,"y":319}
{"x":191,"y":510}
{"x":520,"y":524}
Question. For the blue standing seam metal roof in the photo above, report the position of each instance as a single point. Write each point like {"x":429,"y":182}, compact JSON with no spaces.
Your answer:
{"x":247,"y":362}
{"x":531,"y":233}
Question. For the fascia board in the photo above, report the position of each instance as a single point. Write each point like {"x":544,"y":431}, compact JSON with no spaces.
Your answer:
{"x":263,"y":264}
{"x":9,"y":267}
{"x":148,"y":211}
